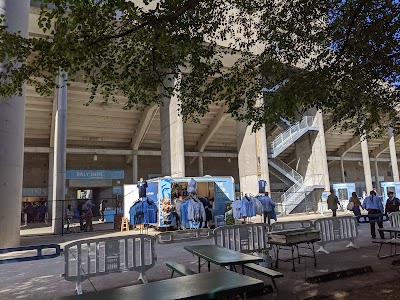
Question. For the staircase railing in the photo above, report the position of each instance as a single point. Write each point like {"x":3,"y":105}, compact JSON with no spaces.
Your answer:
{"x":285,"y":169}
{"x":290,"y":135}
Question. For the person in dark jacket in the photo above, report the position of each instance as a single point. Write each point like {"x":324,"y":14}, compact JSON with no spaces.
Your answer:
{"x":333,"y":203}
{"x":392,"y":203}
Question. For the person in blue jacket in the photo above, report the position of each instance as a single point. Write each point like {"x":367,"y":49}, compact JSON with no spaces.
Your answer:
{"x":268,"y":208}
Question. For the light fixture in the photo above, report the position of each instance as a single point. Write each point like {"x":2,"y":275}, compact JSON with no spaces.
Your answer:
{"x":229,"y":159}
{"x":95,"y":157}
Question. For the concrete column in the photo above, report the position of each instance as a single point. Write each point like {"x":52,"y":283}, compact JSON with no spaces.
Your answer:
{"x":60,"y":155}
{"x":324,"y":158}
{"x":393,"y":157}
{"x":262,"y":154}
{"x":135,"y":176}
{"x":50,"y":186}
{"x":172,"y":140}
{"x":201,"y":166}
{"x":12,"y":126}
{"x":377,"y":185}
{"x":366,"y":164}
{"x":247,"y":158}
{"x":311,"y":153}
{"x":343,"y":178}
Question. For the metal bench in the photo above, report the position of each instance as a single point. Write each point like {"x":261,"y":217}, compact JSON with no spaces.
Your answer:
{"x":178,"y":268}
{"x":265,"y":271}
{"x":392,"y":242}
{"x":366,"y":218}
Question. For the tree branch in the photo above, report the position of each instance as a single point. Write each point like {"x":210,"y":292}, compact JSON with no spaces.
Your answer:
{"x":168,"y":18}
{"x":350,"y":28}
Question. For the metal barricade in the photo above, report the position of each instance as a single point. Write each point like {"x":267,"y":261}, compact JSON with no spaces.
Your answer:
{"x":39,"y":253}
{"x":336,"y":229}
{"x":291,"y":225}
{"x":245,"y":238}
{"x":94,"y":257}
{"x":394,"y":218}
{"x":184,"y":235}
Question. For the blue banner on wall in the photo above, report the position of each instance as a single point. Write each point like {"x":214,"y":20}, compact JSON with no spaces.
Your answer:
{"x":95,"y":174}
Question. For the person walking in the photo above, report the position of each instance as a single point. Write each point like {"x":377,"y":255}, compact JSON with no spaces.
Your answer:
{"x":374,"y":207}
{"x":87,"y":209}
{"x":356,"y":205}
{"x":333,"y":203}
{"x":392,"y":203}
{"x":268,"y":208}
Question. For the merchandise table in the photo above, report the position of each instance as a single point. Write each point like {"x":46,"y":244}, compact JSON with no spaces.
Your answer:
{"x":198,"y":286}
{"x":292,"y":238}
{"x":221,"y":256}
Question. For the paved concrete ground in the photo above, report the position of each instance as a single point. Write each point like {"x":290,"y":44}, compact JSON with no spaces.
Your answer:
{"x":41,"y":279}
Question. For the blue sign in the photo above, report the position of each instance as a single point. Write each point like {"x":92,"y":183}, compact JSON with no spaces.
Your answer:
{"x":117,"y":190}
{"x":95,"y":174}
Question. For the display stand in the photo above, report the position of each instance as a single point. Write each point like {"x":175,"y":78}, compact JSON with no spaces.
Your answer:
{"x":124,"y":224}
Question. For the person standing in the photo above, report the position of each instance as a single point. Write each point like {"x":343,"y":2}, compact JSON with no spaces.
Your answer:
{"x":392,"y":203}
{"x":268,"y":207}
{"x":333,"y":203}
{"x":87,"y":209}
{"x":69,"y":216}
{"x":374,"y":207}
{"x":102,"y":208}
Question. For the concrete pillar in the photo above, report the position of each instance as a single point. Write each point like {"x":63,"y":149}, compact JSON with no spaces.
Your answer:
{"x":172,"y":140}
{"x":393,"y":157}
{"x":322,"y":145}
{"x":12,"y":126}
{"x":201,"y":166}
{"x":366,"y":164}
{"x":377,"y":185}
{"x":50,"y":186}
{"x":311,"y":153}
{"x":343,"y":178}
{"x":262,"y":154}
{"x":247,"y":158}
{"x":135,"y":176}
{"x":60,"y":155}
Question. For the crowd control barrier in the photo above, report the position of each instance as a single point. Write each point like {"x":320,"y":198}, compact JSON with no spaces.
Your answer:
{"x":394,"y":218}
{"x":184,"y":235}
{"x":291,"y":225}
{"x":245,"y":238}
{"x":94,"y":257}
{"x":375,"y":218}
{"x":336,"y":229}
{"x":39,"y":253}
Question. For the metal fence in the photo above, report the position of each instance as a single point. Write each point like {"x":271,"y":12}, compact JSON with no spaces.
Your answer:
{"x":38,"y":218}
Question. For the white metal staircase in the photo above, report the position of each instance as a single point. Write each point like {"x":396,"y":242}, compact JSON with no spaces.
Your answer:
{"x":290,"y":135}
{"x":301,"y":187}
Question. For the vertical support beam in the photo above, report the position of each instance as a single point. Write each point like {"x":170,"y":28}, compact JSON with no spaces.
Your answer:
{"x":172,"y":140}
{"x":343,"y":178}
{"x":201,"y":168}
{"x":324,"y":158}
{"x":393,"y":157}
{"x":247,"y":158}
{"x":366,"y":164}
{"x":135,"y":176}
{"x":377,"y":185}
{"x":262,"y":154}
{"x":12,"y":126}
{"x":50,"y":186}
{"x":60,"y":154}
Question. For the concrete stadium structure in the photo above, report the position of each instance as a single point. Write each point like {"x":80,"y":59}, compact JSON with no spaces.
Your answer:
{"x":60,"y":133}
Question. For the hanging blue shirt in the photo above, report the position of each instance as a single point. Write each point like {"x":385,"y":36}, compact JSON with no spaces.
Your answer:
{"x":136,"y":213}
{"x":261,"y":186}
{"x":184,"y":213}
{"x":150,"y":212}
{"x":248,"y":209}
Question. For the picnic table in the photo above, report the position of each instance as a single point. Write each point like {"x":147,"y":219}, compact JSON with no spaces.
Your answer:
{"x":221,"y":256}
{"x":199,"y":286}
{"x":292,"y":238}
{"x":393,"y":242}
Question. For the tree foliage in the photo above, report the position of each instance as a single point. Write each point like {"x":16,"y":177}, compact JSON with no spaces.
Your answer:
{"x":339,"y":56}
